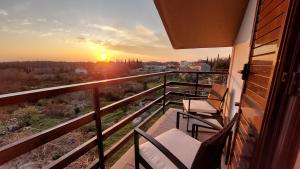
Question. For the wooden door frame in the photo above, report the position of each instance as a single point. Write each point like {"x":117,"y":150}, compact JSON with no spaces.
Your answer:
{"x":279,"y":132}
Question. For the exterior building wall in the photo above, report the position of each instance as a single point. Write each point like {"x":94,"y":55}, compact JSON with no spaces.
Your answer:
{"x":240,"y":56}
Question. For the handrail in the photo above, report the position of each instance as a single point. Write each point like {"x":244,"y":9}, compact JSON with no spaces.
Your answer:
{"x":31,"y":95}
{"x":11,"y":151}
{"x":197,"y":72}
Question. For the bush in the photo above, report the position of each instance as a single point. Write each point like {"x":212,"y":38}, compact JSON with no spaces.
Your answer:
{"x":57,"y":110}
{"x":26,"y":116}
{"x":91,"y":127}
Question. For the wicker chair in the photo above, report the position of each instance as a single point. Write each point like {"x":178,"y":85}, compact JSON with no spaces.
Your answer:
{"x":175,"y":149}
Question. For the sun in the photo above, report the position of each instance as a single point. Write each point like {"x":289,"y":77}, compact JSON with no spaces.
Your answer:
{"x":103,"y":58}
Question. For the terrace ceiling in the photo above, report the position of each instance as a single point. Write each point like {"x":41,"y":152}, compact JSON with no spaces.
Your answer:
{"x":201,"y":23}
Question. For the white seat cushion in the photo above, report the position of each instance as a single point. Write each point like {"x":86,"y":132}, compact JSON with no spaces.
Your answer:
{"x":214,"y":121}
{"x":199,"y":106}
{"x":183,"y":146}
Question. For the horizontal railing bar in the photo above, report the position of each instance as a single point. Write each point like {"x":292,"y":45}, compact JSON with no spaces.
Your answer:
{"x":151,"y":116}
{"x":108,"y":132}
{"x":94,"y":165}
{"x":33,"y":95}
{"x":71,"y":156}
{"x":107,"y":109}
{"x":18,"y":148}
{"x":176,"y":103}
{"x":188,"y":84}
{"x":182,"y":94}
{"x":110,"y":152}
{"x":117,"y":146}
{"x":216,"y":72}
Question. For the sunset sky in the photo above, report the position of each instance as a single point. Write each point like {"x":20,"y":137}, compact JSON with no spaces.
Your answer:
{"x":86,"y":30}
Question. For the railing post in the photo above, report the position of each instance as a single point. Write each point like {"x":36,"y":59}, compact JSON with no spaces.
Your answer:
{"x":96,"y":102}
{"x":197,"y":78}
{"x":165,"y":86}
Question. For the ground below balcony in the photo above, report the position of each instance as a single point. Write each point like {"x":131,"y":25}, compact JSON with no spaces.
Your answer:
{"x":164,"y":123}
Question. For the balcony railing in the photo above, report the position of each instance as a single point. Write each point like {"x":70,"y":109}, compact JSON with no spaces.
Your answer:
{"x":16,"y":149}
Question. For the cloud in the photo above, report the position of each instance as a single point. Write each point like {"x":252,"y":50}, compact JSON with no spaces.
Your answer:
{"x":62,"y":30}
{"x":3,"y":12}
{"x":42,"y":20}
{"x":81,"y":38}
{"x":57,"y":22}
{"x":105,"y":28}
{"x":142,"y":30}
{"x":47,"y":34}
{"x":26,"y":22}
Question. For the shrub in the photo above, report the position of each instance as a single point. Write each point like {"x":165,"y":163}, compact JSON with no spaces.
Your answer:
{"x":91,"y":127}
{"x":57,"y":110}
{"x":26,"y":116}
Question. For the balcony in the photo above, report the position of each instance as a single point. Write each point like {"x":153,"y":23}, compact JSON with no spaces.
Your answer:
{"x":164,"y":104}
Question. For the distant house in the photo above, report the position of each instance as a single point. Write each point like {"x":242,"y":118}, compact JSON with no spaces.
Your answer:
{"x":202,"y":67}
{"x":81,"y":71}
{"x":155,"y":67}
{"x":172,"y":67}
{"x":184,"y":64}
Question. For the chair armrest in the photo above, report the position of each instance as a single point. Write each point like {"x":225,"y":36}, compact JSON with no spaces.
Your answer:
{"x":196,"y":98}
{"x":190,"y":91}
{"x":160,"y":147}
{"x":200,"y":98}
{"x":196,"y":118}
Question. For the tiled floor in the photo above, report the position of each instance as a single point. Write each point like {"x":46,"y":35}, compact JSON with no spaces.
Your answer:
{"x":166,"y":122}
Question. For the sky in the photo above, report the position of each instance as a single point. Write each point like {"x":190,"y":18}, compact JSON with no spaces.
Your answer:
{"x":86,"y":30}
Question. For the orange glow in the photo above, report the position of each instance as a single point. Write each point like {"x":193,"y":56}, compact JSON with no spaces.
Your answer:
{"x":103,"y":58}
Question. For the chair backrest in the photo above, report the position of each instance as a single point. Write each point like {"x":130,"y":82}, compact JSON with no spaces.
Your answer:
{"x":210,"y":152}
{"x":217,"y":96}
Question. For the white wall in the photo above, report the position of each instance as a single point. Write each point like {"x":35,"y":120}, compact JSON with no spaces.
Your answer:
{"x":240,"y":55}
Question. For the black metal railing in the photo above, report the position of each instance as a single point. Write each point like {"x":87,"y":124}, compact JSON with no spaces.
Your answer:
{"x":11,"y":151}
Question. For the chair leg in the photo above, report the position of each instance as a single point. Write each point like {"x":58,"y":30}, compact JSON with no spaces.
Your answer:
{"x":193,"y":131}
{"x":177,"y":120}
{"x":228,"y":149}
{"x":136,"y":150}
{"x":187,"y":124}
{"x":197,"y":131}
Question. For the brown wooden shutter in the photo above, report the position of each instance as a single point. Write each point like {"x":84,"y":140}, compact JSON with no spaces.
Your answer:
{"x":266,"y":41}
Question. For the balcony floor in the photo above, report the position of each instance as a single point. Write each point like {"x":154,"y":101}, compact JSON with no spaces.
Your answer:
{"x":166,"y":122}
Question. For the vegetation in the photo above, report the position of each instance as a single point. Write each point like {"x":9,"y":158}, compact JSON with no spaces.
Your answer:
{"x":23,"y":120}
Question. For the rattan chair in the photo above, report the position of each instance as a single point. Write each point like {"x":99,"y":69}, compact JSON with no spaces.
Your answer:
{"x":175,"y":149}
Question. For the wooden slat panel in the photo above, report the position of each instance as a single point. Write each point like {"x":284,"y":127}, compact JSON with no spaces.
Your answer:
{"x":265,"y":49}
{"x":257,"y":89}
{"x":274,"y":35}
{"x":282,"y":8}
{"x":244,"y":147}
{"x":269,"y":9}
{"x":260,"y":80}
{"x":255,"y":117}
{"x":277,"y":22}
{"x":261,"y":70}
{"x":260,"y":61}
{"x":261,"y":102}
{"x":265,"y":3}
